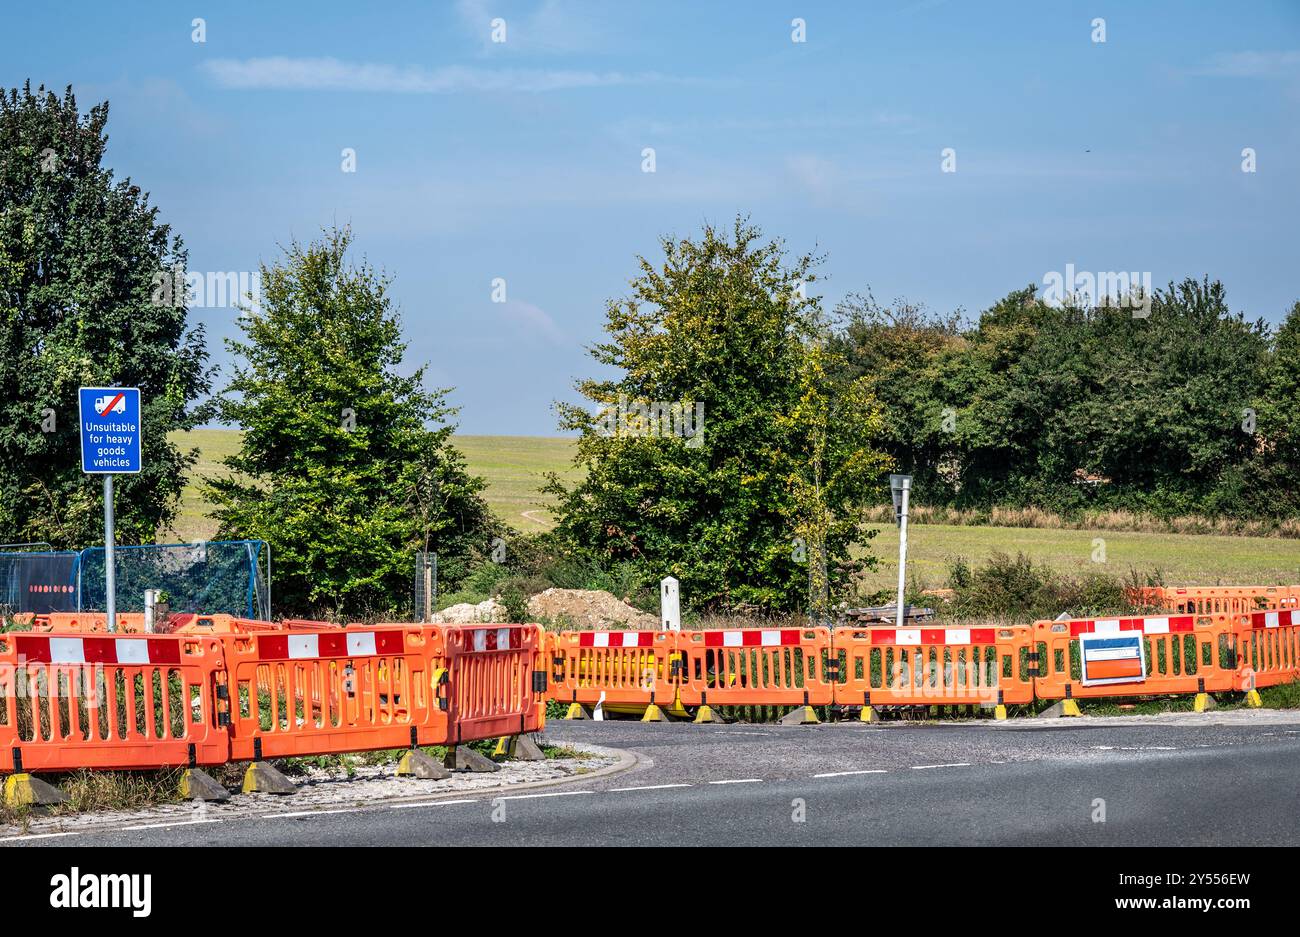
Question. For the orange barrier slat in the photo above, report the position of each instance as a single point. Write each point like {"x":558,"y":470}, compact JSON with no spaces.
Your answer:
{"x":933,"y":666}
{"x":620,"y":667}
{"x":302,"y":693}
{"x":1184,"y":654}
{"x":1268,"y":645}
{"x":497,"y":680}
{"x":746,"y":667}
{"x":113,"y":702}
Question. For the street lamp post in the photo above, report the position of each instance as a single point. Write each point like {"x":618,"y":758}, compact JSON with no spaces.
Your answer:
{"x":900,"y":486}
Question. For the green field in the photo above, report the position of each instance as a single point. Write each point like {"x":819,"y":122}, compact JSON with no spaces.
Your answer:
{"x":513,"y":467}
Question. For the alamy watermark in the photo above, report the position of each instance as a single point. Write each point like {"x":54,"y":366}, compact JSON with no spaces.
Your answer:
{"x":214,"y":289}
{"x":1121,"y":290}
{"x":631,"y":418}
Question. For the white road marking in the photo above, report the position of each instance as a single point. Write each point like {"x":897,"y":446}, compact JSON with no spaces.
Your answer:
{"x":164,"y":826}
{"x":431,"y":803}
{"x":955,"y":764}
{"x":14,"y":839}
{"x":311,"y":813}
{"x":843,"y":774}
{"x":648,"y":787}
{"x":740,"y":781}
{"x":551,"y":794}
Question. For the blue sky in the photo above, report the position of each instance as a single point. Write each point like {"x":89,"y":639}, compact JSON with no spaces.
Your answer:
{"x":523,"y":159}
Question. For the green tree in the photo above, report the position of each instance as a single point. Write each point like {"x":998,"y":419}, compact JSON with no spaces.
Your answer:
{"x":81,"y":258}
{"x":338,"y":468}
{"x":1271,"y":479}
{"x":776,"y":472}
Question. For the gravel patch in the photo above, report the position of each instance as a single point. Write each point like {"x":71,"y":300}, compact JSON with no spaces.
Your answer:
{"x":333,"y":789}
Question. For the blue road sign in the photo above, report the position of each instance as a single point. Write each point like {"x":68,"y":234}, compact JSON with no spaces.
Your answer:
{"x":110,"y":430}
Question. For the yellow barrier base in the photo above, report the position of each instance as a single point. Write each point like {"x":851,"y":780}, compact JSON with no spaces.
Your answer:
{"x":654,"y":714}
{"x":706,"y":716}
{"x":416,"y":764}
{"x":869,"y":714}
{"x":23,"y":790}
{"x":575,"y":711}
{"x":199,"y":785}
{"x":1203,"y":703}
{"x":1253,"y":700}
{"x":1070,"y":707}
{"x":261,"y":778}
{"x":800,"y":716}
{"x":999,"y":712}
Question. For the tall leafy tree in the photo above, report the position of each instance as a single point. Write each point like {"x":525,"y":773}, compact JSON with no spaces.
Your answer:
{"x":81,"y":255}
{"x":775,"y":476}
{"x":346,"y":465}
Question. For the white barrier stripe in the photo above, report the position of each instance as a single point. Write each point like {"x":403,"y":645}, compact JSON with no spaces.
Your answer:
{"x":1155,"y":625}
{"x":770,"y":638}
{"x":957,"y":636}
{"x":601,"y":639}
{"x":67,"y":651}
{"x":733,"y":639}
{"x":907,"y":636}
{"x":361,"y":643}
{"x":132,"y":652}
{"x":303,"y":646}
{"x":1106,"y":626}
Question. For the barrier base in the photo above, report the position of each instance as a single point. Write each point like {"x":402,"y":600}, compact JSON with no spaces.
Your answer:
{"x":416,"y":764}
{"x":1204,"y":702}
{"x":464,"y":758}
{"x":518,"y":748}
{"x":654,"y":714}
{"x":576,"y":711}
{"x":261,"y":778}
{"x":23,"y":790}
{"x":1000,"y":712}
{"x":800,"y":716}
{"x":1060,"y":709}
{"x":197,"y":784}
{"x":705,"y":716}
{"x":869,"y":714}
{"x":1253,"y":700}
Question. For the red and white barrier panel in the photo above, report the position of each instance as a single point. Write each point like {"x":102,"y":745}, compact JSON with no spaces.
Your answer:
{"x":1161,"y":625}
{"x":616,"y":639}
{"x":930,"y":636}
{"x":785,"y":637}
{"x":497,"y":639}
{"x":328,"y":645}
{"x":43,"y":650}
{"x":1279,"y":619}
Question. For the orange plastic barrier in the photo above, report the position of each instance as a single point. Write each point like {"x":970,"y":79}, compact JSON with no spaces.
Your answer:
{"x":1218,"y":600}
{"x":1182,"y":655}
{"x":777,"y":667}
{"x":72,"y":701}
{"x":287,"y":693}
{"x":933,"y":666}
{"x":1269,"y":644}
{"x":618,"y":667}
{"x":497,"y":680}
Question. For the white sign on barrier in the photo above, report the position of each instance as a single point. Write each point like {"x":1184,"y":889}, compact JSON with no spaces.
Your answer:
{"x":1115,"y":657}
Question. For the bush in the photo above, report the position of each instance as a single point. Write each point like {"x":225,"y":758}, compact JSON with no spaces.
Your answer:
{"x":1007,"y":587}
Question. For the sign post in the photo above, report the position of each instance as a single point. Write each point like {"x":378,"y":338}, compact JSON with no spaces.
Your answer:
{"x":110,"y":444}
{"x":900,"y":486}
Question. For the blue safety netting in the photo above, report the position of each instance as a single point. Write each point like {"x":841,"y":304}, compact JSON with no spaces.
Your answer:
{"x":209,"y":577}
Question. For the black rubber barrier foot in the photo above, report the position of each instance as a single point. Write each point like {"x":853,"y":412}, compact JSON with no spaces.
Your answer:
{"x":416,"y":764}
{"x":199,"y":785}
{"x":464,"y":758}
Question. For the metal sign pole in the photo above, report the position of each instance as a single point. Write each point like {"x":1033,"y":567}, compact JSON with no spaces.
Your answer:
{"x":110,"y":567}
{"x":905,"y":488}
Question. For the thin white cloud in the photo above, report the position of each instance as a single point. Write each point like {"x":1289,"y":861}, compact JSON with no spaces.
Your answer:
{"x":281,"y":73}
{"x":535,"y":319}
{"x":1253,"y":64}
{"x":552,"y":27}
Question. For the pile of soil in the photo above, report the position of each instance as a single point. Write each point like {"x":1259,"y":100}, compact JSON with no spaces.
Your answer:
{"x":587,"y":608}
{"x":466,"y":613}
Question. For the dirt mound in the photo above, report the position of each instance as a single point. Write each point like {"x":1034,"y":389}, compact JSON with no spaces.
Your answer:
{"x":467,"y":613}
{"x":585,"y":608}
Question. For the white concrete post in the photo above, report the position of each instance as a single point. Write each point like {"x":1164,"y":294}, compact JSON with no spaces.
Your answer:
{"x":670,"y":610}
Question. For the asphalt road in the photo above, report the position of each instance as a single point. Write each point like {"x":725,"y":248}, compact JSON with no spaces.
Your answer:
{"x":1190,"y":780}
